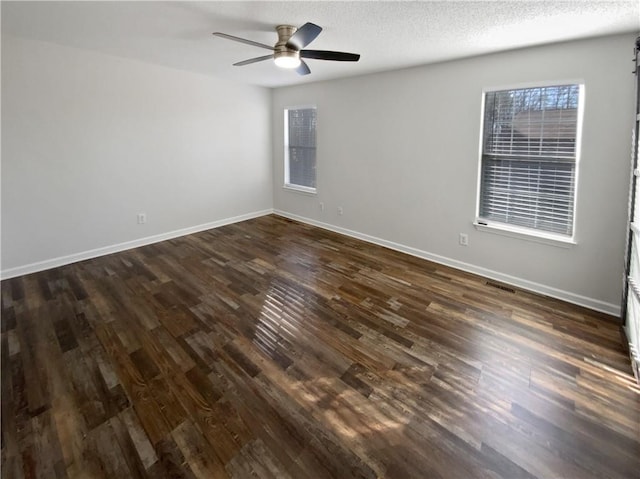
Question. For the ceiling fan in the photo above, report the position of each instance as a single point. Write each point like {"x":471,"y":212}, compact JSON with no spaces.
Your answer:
{"x":288,"y":51}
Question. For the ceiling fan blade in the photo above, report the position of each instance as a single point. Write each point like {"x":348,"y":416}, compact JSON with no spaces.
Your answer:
{"x":304,"y":35}
{"x":303,"y":69}
{"x":253,"y":60}
{"x":242,"y":40}
{"x":329,"y":55}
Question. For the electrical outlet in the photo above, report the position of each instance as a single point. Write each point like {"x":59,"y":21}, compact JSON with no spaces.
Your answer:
{"x":340,"y":210}
{"x":321,"y":206}
{"x":142,"y":218}
{"x":464,"y":239}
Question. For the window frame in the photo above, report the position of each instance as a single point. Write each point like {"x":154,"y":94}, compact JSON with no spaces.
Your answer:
{"x":287,"y":185}
{"x":522,"y":232}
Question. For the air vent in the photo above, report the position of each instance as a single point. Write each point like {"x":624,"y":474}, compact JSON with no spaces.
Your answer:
{"x":499,"y":286}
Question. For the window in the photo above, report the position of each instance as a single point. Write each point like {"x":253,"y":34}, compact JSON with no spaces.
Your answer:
{"x":529,"y":160}
{"x":300,"y":148}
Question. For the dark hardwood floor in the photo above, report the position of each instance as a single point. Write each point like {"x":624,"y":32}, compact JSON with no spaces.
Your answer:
{"x":270,"y":348}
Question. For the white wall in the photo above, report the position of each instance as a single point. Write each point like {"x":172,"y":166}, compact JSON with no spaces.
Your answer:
{"x":90,"y":140}
{"x":399,"y":152}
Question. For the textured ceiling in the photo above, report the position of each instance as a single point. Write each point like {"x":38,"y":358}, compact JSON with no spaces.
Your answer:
{"x":388,"y":35}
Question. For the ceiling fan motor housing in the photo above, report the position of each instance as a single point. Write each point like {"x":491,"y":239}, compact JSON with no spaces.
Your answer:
{"x":281,"y":50}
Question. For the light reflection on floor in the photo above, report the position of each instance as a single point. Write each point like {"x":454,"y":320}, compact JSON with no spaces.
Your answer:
{"x":327,"y":399}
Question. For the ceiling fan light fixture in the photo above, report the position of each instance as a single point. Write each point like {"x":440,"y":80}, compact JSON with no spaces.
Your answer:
{"x":289,"y":50}
{"x":287,"y":59}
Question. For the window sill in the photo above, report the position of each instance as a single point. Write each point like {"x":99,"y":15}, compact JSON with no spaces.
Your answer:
{"x":512,"y":232}
{"x":300,"y":189}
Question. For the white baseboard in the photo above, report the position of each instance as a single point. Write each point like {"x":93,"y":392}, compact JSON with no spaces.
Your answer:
{"x":567,"y":296}
{"x":591,"y":303}
{"x":94,"y":253}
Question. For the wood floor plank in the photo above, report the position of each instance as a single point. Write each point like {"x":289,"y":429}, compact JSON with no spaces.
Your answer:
{"x":198,"y":452}
{"x":274,"y":349}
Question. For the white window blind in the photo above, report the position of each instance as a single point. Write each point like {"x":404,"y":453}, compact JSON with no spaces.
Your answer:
{"x":300,"y":147}
{"x":528,"y":173}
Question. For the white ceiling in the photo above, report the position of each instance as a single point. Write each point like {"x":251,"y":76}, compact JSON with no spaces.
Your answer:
{"x":388,"y":35}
